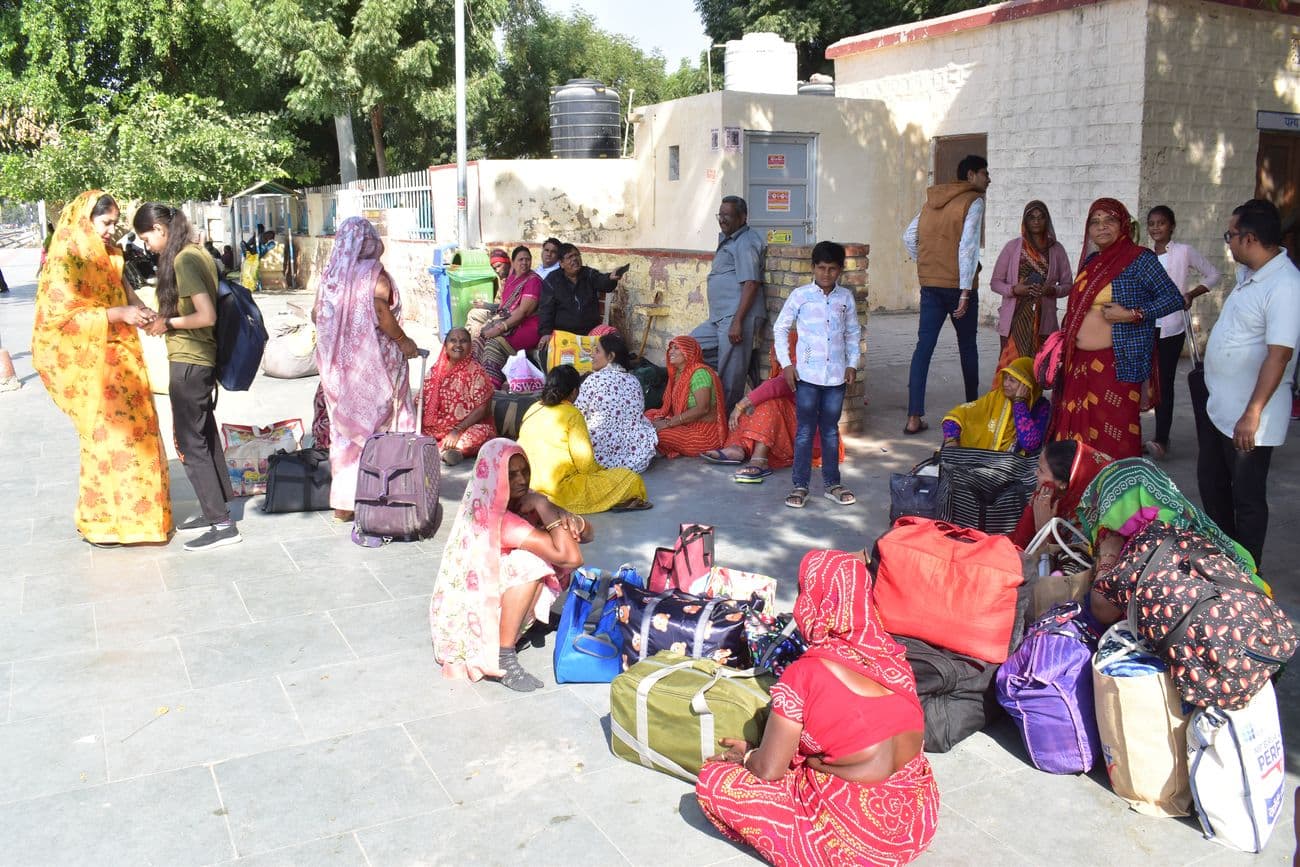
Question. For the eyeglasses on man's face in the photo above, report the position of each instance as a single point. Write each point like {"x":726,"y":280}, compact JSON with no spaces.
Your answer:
{"x":1229,"y":235}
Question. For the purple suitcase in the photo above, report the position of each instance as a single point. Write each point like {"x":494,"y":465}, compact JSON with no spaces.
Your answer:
{"x":397,"y":483}
{"x":1046,"y":687}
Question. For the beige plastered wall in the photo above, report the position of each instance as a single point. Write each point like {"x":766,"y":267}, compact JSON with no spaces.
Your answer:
{"x":1209,"y":68}
{"x":1060,"y":97}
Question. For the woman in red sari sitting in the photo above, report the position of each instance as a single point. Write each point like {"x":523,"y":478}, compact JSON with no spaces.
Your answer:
{"x":1109,"y":346}
{"x":1065,"y":469}
{"x":839,"y":777}
{"x":458,"y":401}
{"x":693,"y":418}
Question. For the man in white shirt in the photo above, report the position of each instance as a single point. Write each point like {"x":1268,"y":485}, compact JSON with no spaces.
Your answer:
{"x":825,"y":316}
{"x":1248,"y":357}
{"x":550,"y":258}
{"x":944,"y":239}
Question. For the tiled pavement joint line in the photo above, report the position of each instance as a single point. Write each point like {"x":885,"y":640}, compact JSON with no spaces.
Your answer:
{"x":185,"y":665}
{"x":240,"y":597}
{"x":103,"y":737}
{"x":94,"y":625}
{"x":225,"y":814}
{"x":22,"y":594}
{"x":374,"y":573}
{"x":290,"y":556}
{"x":617,"y":848}
{"x":996,"y":839}
{"x":293,"y":707}
{"x":419,"y":752}
{"x":346,"y":643}
{"x":9,"y":704}
{"x":365,"y":856}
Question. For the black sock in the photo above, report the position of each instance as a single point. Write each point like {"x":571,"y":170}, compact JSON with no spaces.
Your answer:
{"x":515,"y":677}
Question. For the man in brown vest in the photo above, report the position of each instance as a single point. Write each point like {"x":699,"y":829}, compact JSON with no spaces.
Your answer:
{"x":944,"y":239}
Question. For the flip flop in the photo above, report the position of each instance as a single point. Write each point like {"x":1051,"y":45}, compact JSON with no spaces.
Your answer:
{"x":751,"y":475}
{"x":716,"y":456}
{"x":911,"y":433}
{"x":633,"y":506}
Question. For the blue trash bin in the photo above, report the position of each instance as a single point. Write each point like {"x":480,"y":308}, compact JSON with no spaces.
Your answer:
{"x":442,"y":256}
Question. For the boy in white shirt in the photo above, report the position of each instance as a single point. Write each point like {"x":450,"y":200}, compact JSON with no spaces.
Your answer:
{"x":825,"y":316}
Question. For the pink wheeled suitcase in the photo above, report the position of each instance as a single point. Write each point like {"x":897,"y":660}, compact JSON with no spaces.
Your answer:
{"x":397,"y":483}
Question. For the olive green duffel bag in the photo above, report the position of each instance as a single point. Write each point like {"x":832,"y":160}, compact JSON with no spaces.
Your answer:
{"x":669,"y":711}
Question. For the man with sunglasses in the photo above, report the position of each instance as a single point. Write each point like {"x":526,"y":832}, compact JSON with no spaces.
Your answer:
{"x":1249,"y":355}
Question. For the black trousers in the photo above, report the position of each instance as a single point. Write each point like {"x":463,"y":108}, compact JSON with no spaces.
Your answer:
{"x":1233,"y":487}
{"x":1170,"y":350}
{"x":192,"y":391}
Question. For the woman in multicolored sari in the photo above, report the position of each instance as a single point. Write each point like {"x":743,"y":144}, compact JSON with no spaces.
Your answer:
{"x":87,"y":351}
{"x":839,"y":777}
{"x":507,"y":559}
{"x":1108,"y":348}
{"x":1031,"y":273}
{"x":458,"y":401}
{"x":361,"y":351}
{"x":693,"y":418}
{"x":514,"y":326}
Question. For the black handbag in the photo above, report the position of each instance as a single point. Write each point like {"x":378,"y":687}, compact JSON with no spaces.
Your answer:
{"x":297,"y":481}
{"x":913,"y":494}
{"x":984,"y":489}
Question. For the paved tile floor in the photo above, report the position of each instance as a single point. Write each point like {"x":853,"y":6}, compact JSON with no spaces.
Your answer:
{"x":277,"y":703}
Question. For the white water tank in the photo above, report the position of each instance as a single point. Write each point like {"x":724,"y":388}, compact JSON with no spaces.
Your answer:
{"x":761,"y":63}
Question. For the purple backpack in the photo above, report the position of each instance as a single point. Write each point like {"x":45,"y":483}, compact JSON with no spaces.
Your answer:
{"x":1046,"y":687}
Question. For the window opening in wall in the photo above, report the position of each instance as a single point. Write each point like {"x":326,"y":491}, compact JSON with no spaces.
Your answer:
{"x":674,"y":162}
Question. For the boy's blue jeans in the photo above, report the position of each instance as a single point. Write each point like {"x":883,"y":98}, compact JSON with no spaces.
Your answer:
{"x":817,"y":409}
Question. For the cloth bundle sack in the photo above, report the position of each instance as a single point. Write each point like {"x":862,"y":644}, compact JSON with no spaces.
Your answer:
{"x":736,"y":584}
{"x":522,"y":376}
{"x":1238,"y":771}
{"x":683,"y":623}
{"x":952,"y":587}
{"x":690,"y":559}
{"x":1199,"y":611}
{"x":668,"y":713}
{"x":298,"y":481}
{"x":1046,"y":688}
{"x":249,"y":448}
{"x":569,"y":348}
{"x":915,"y":492}
{"x":508,"y":408}
{"x":588,"y":641}
{"x":985,"y":489}
{"x":1141,"y":724}
{"x":291,"y":350}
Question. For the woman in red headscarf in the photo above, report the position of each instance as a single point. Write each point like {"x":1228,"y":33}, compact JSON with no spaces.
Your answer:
{"x":693,"y":418}
{"x":840,"y":769}
{"x":1108,"y":338}
{"x":1031,"y":273}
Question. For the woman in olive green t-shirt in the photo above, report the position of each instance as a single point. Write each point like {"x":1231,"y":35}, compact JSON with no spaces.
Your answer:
{"x":187,"y":316}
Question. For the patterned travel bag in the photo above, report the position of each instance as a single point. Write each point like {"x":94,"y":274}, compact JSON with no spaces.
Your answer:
{"x":682,"y":623}
{"x":669,"y":712}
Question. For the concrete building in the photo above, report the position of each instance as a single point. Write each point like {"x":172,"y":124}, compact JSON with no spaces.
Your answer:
{"x":1190,"y":103}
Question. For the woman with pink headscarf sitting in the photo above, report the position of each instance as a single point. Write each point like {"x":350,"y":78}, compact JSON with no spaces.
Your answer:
{"x":361,"y":351}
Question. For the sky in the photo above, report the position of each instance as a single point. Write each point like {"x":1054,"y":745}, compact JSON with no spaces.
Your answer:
{"x":672,"y":26}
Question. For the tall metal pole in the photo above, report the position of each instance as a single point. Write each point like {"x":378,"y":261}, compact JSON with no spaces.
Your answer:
{"x":462,"y":181}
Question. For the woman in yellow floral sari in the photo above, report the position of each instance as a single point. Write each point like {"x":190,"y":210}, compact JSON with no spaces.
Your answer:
{"x":87,"y":351}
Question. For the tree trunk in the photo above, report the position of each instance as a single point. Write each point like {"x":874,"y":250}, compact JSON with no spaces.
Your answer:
{"x":377,"y":133}
{"x":347,"y":148}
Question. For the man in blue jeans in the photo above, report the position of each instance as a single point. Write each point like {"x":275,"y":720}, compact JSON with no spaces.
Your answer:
{"x":944,"y":239}
{"x":825,"y":315}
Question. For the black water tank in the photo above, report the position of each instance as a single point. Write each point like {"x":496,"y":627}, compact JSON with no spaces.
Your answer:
{"x":585,"y":120}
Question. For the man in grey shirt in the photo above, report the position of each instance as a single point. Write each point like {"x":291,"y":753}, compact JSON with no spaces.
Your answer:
{"x":736,"y":305}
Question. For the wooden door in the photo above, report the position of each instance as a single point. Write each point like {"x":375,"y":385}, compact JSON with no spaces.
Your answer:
{"x":949,"y":151}
{"x":1277,"y":178}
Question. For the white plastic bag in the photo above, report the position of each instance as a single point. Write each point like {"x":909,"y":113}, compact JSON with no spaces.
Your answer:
{"x":521,"y":374}
{"x":1238,"y":771}
{"x":291,"y":351}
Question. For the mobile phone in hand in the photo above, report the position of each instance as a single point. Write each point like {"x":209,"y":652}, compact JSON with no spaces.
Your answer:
{"x":621,"y":270}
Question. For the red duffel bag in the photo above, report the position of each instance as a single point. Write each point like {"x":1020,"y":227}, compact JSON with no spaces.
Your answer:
{"x":953,"y":587}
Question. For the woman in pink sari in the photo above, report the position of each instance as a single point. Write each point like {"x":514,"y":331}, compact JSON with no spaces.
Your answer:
{"x":508,"y":557}
{"x":361,"y":351}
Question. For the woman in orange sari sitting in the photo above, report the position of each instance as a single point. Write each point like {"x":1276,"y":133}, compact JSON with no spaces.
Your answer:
{"x":87,"y":351}
{"x":762,"y":426}
{"x":693,"y":418}
{"x":458,"y":401}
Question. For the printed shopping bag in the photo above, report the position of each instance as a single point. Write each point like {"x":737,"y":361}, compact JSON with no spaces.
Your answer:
{"x":248,"y":447}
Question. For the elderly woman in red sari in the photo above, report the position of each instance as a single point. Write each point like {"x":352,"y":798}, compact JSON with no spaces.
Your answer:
{"x":1108,"y":338}
{"x":840,"y":768}
{"x":458,"y":401}
{"x":361,"y":351}
{"x":693,"y":418}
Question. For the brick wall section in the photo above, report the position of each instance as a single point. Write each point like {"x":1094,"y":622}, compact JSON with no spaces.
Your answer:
{"x":786,"y":269}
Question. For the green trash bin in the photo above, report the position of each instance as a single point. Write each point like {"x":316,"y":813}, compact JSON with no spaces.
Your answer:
{"x":472,"y":279}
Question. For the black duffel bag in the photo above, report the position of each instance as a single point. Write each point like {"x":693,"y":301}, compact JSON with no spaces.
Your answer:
{"x":984,"y":489}
{"x":297,"y":481}
{"x":508,"y":408}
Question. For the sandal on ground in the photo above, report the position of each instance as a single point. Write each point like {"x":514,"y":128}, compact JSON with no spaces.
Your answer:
{"x":451,"y":457}
{"x":797,"y":498}
{"x":717,"y":456}
{"x":633,"y":505}
{"x":752,"y":474}
{"x":919,"y":428}
{"x":1155,"y":450}
{"x":840,"y":495}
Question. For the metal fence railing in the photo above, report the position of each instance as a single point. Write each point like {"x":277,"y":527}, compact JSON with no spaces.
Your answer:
{"x":411,"y":192}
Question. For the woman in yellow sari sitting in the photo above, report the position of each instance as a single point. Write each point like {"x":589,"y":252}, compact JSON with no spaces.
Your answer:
{"x":1013,"y":416}
{"x":87,"y":351}
{"x":554,"y":436}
